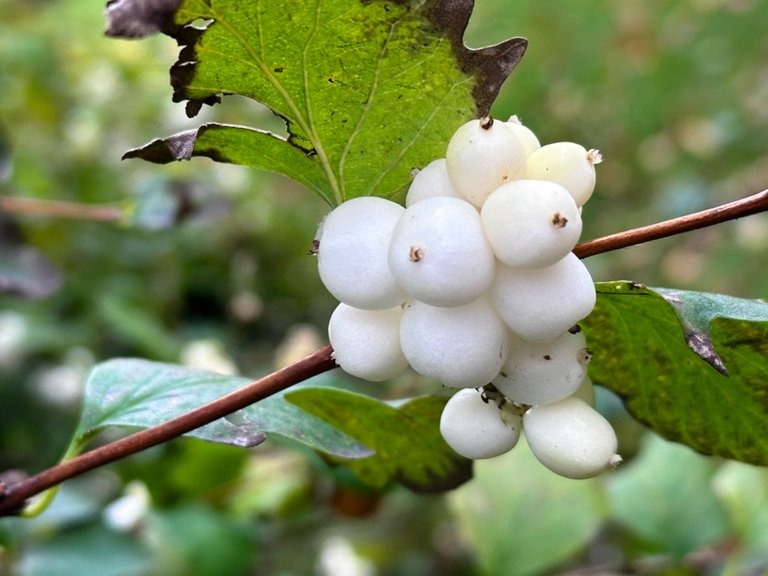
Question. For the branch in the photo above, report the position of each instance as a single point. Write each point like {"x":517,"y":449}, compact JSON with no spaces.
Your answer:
{"x":60,"y":209}
{"x":753,"y":204}
{"x":13,"y":497}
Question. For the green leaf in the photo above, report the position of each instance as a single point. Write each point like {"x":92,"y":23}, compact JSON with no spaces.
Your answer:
{"x":368,"y":90}
{"x":640,"y":339}
{"x":697,"y":310}
{"x":406,"y":439}
{"x":665,"y":496}
{"x":140,"y":394}
{"x":238,"y":145}
{"x":743,"y":491}
{"x":91,"y":549}
{"x":522,"y":519}
{"x":131,"y":324}
{"x":198,"y":541}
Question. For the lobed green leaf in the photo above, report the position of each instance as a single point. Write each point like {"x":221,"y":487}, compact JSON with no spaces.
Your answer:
{"x":140,"y":394}
{"x":406,"y":439}
{"x":368,"y":90}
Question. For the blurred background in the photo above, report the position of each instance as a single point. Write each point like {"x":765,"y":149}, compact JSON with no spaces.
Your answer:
{"x":675,"y":95}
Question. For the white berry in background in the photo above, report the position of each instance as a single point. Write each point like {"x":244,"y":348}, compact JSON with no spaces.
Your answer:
{"x":539,"y":304}
{"x":432,"y":180}
{"x":526,"y":136}
{"x":439,"y":253}
{"x":352,"y":253}
{"x":586,"y":391}
{"x":571,"y":438}
{"x":567,"y":163}
{"x":477,"y":428}
{"x":463,"y":346}
{"x":366,"y":343}
{"x":537,"y":373}
{"x":531,"y":223}
{"x":481,"y":156}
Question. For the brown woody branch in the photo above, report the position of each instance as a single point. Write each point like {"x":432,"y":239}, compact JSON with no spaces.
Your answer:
{"x":60,"y":209}
{"x":14,"y":496}
{"x":731,"y":211}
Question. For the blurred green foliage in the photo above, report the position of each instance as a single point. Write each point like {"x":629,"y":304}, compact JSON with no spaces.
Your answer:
{"x":674,"y":94}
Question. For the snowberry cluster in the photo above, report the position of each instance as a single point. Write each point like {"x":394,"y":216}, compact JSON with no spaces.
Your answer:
{"x":474,"y":284}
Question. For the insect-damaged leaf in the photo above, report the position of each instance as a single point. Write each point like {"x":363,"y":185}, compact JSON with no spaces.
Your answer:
{"x":369,"y":90}
{"x":406,"y":438}
{"x":641,"y":340}
{"x":137,"y":18}
{"x":141,"y":394}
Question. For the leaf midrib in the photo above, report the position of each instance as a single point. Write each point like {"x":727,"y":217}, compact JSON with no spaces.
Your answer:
{"x":305,"y":124}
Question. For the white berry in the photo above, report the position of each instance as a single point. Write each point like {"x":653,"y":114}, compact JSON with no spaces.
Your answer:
{"x":539,"y":304}
{"x":481,"y":156}
{"x":352,"y":254}
{"x":366,"y":343}
{"x":477,"y":428}
{"x":526,"y":136}
{"x":568,"y":164}
{"x":571,"y":438}
{"x":586,"y":391}
{"x":536,"y":373}
{"x":432,"y":180}
{"x":531,"y":223}
{"x":439,"y":253}
{"x":463,"y":346}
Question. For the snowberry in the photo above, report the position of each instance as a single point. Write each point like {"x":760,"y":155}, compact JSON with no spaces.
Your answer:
{"x":430,"y":181}
{"x":586,"y":391}
{"x":539,"y":304}
{"x":476,"y":427}
{"x":568,"y":164}
{"x":481,"y":156}
{"x":439,"y":253}
{"x":571,"y":438}
{"x":366,"y":343}
{"x":463,"y":346}
{"x":352,"y":253}
{"x":526,"y":136}
{"x":531,"y":223}
{"x":536,"y":373}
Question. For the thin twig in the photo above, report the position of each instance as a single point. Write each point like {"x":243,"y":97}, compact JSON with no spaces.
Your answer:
{"x":753,"y":204}
{"x":60,"y":209}
{"x":14,"y":497}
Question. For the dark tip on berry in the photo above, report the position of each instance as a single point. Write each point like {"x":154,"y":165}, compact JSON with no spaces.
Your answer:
{"x":315,"y":247}
{"x":486,"y":122}
{"x":559,"y":220}
{"x":575,"y":329}
{"x":415,"y":254}
{"x":547,"y":357}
